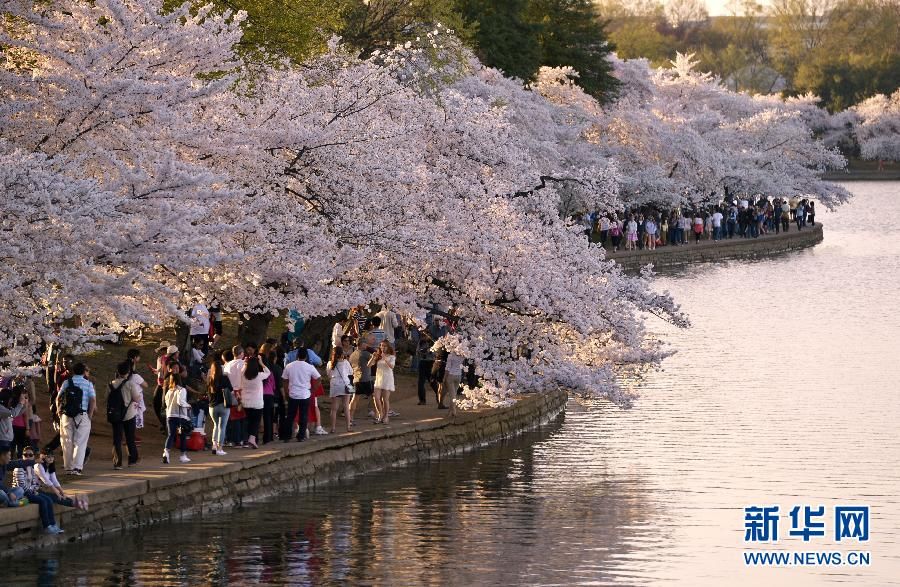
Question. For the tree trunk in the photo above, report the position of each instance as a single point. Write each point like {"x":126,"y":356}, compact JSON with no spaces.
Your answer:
{"x":254,"y":328}
{"x":317,"y":334}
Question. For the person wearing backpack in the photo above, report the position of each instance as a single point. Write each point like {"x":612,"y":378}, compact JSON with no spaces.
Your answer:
{"x":77,"y":402}
{"x":122,"y":404}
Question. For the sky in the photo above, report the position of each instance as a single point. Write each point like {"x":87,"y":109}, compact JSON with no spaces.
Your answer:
{"x":720,"y":7}
{"x":717,"y":7}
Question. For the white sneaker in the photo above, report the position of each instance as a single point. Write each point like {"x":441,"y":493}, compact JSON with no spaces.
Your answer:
{"x":220,"y":453}
{"x":371,"y":413}
{"x":184,"y":459}
{"x":321,"y":431}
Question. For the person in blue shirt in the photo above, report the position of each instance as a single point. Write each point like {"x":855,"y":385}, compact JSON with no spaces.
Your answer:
{"x":75,"y":423}
{"x":311,"y":357}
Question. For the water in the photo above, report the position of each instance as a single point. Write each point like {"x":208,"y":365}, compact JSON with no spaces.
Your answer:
{"x":784,"y":392}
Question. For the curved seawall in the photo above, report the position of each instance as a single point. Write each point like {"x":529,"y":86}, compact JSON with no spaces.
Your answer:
{"x":121,"y":500}
{"x":709,"y":251}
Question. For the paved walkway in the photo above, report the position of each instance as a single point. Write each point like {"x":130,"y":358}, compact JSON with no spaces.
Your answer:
{"x":100,"y":477}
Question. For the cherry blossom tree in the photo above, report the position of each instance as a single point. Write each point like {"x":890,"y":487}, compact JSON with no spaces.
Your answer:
{"x":100,"y":95}
{"x":359,"y":189}
{"x":766,"y":146}
{"x":679,"y":136}
{"x":165,"y":171}
{"x":553,"y":135}
{"x":877,"y":130}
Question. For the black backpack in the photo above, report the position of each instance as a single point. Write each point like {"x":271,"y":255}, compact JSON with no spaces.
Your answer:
{"x":73,"y":396}
{"x":116,"y":408}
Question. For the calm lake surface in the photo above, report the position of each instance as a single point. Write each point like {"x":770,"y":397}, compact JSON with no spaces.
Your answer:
{"x":784,"y":392}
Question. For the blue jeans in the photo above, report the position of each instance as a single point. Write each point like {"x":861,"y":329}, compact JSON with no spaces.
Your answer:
{"x":5,"y":501}
{"x":174,"y":424}
{"x":45,"y":507}
{"x":219,"y":416}
{"x":61,"y":501}
{"x":717,"y":233}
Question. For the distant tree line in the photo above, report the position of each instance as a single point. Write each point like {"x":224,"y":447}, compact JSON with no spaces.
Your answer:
{"x":515,"y":36}
{"x":843,"y":51}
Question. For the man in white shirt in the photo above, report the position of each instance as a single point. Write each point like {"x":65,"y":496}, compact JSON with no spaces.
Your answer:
{"x":75,"y":420}
{"x":297,"y":388}
{"x":717,"y":224}
{"x":389,"y":323}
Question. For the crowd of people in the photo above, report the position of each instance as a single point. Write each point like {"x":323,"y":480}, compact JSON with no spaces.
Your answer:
{"x":244,"y":396}
{"x":647,"y":228}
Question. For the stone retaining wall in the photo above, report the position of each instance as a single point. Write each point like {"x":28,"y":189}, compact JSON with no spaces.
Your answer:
{"x":190,"y":489}
{"x":725,"y":249}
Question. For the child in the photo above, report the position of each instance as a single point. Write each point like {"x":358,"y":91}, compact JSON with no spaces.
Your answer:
{"x":236,"y":428}
{"x":315,"y":415}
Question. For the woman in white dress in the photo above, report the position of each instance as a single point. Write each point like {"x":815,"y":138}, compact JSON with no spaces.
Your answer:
{"x":384,"y":360}
{"x":340,"y":391}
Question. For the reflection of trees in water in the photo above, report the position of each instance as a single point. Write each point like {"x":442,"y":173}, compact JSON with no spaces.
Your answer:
{"x":509,"y":512}
{"x":556,"y":515}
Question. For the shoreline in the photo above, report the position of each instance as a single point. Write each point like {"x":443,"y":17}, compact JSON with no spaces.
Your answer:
{"x":710,"y":251}
{"x":121,"y":500}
